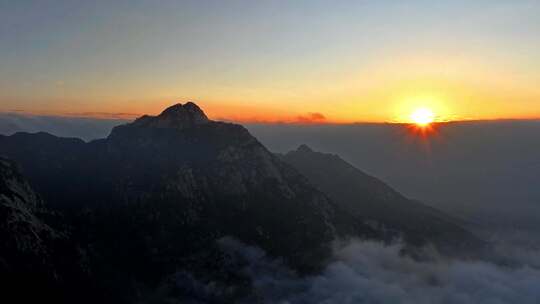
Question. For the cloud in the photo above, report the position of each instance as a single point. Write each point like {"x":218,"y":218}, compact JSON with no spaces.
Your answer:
{"x":104,"y":115}
{"x":370,"y":272}
{"x":311,"y":118}
{"x":84,"y":128}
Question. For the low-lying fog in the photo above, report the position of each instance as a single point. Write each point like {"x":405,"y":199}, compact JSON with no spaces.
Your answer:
{"x":370,"y":272}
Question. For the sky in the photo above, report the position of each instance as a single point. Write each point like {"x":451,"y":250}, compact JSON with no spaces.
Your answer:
{"x":336,"y":61}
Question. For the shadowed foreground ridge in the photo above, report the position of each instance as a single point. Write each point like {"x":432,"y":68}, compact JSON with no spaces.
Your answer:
{"x":37,"y":260}
{"x":151,"y":202}
{"x":24,"y":236}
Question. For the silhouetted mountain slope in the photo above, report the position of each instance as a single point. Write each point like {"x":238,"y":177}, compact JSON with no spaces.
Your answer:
{"x":37,"y":261}
{"x":484,"y":171}
{"x":369,"y":198}
{"x":23,"y":234}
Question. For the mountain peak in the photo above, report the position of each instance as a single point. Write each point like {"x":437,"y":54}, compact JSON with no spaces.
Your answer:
{"x":189,"y":112}
{"x":178,"y":116}
{"x":304,"y":149}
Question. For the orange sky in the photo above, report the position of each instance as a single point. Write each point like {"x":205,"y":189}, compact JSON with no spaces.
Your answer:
{"x":335,"y":62}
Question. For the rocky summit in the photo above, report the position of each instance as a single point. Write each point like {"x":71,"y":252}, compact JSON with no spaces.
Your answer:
{"x":177,"y":116}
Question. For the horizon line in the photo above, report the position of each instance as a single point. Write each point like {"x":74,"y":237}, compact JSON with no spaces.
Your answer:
{"x":131,"y":116}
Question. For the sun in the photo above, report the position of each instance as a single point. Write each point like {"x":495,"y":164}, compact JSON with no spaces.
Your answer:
{"x":422,"y":116}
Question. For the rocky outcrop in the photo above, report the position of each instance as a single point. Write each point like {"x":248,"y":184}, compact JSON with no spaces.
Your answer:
{"x":23,"y":234}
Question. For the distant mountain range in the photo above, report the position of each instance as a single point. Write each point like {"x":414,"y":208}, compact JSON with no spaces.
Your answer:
{"x":154,"y":198}
{"x":81,"y":127}
{"x":367,"y":197}
{"x":484,"y":171}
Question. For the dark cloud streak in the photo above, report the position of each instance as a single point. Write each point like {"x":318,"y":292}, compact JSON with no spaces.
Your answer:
{"x":311,"y":118}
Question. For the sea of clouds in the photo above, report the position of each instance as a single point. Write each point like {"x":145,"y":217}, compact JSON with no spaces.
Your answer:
{"x":371,"y":272}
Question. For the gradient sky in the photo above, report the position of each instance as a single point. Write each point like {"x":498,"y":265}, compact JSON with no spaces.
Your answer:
{"x":334,"y":61}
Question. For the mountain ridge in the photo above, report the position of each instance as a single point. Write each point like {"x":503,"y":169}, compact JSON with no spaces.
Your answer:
{"x":157,"y":194}
{"x":192,"y":170}
{"x":372,"y":199}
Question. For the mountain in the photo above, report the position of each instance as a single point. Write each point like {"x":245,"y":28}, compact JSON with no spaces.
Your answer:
{"x":186,"y":171}
{"x":369,"y":198}
{"x":155,"y":195}
{"x":148,"y":207}
{"x":471,"y":169}
{"x":37,"y":261}
{"x":23,"y":234}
